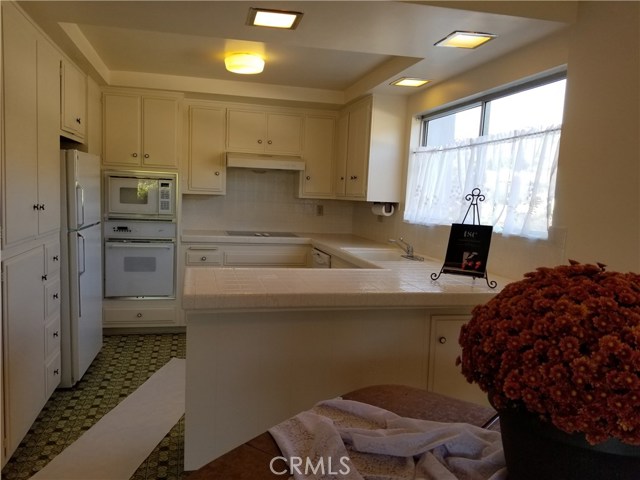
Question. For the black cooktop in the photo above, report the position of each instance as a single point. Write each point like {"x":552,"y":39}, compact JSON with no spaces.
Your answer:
{"x":253,"y":233}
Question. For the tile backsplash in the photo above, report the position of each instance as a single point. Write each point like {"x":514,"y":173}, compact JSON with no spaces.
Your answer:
{"x":265,"y":201}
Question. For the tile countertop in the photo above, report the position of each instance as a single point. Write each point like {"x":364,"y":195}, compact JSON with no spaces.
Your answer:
{"x":379,"y":284}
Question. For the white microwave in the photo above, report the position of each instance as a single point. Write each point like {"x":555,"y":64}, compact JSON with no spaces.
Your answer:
{"x":140,"y":195}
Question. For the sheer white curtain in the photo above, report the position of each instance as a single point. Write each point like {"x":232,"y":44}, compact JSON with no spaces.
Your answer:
{"x":516,"y":172}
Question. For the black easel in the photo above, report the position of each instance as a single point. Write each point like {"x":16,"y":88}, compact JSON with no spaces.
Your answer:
{"x":461,"y":237}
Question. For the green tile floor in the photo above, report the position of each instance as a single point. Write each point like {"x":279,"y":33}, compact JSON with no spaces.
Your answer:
{"x":125,"y":363}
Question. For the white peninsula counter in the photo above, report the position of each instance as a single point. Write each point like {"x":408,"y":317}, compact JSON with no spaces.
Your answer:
{"x":266,"y":343}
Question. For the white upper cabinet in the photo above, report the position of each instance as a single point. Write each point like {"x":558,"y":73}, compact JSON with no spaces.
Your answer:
{"x":31,"y":183}
{"x":319,"y":155}
{"x":264,"y":132}
{"x":370,"y":146}
{"x":140,"y":129}
{"x":206,"y":169}
{"x":73,"y":112}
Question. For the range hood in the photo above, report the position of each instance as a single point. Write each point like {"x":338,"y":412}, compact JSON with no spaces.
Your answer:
{"x":259,"y":161}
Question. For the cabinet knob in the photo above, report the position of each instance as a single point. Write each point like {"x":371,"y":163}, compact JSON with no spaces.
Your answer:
{"x":55,"y":334}
{"x":217,"y":174}
{"x":79,"y":121}
{"x":55,"y":296}
{"x":56,"y":258}
{"x":442,"y":340}
{"x":42,"y":206}
{"x":341,"y":178}
{"x":56,"y":371}
{"x":203,"y":259}
{"x":260,"y":142}
{"x":354,"y":177}
{"x":36,"y":207}
{"x":134,"y":155}
{"x":269,"y":142}
{"x":308,"y":177}
{"x":146,"y":155}
{"x":44,"y":277}
{"x":139,"y":315}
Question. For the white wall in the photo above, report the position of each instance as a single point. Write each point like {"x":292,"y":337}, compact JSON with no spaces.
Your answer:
{"x":597,"y":216}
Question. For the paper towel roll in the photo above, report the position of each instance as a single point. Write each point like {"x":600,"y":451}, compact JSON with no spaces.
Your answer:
{"x":383,"y":209}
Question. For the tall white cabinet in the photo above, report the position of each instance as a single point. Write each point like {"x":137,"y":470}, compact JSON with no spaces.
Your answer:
{"x":30,"y":224}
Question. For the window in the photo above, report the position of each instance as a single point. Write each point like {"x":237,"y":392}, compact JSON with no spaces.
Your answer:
{"x":506,"y":145}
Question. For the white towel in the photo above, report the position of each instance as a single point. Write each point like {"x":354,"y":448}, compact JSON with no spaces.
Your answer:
{"x":348,"y":440}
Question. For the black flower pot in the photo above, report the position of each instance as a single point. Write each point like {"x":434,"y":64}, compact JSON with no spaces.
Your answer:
{"x":536,"y":450}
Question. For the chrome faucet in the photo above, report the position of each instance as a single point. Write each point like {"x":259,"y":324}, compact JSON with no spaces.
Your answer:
{"x":408,"y":248}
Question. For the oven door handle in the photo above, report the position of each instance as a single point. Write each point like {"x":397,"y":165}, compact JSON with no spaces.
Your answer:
{"x":167,"y":245}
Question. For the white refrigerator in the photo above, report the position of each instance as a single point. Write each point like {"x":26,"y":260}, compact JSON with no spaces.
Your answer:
{"x":81,"y":250}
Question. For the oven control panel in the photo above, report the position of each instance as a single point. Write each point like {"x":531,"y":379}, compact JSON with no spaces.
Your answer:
{"x":120,"y":229}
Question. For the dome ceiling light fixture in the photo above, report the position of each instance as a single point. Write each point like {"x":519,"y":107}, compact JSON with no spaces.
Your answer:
{"x":244,"y":63}
{"x":263,"y":17}
{"x":460,"y":39}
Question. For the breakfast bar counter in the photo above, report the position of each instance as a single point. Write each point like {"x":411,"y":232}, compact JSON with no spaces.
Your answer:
{"x":266,"y":343}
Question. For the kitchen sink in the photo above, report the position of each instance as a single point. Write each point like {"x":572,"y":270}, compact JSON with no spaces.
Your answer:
{"x":376,"y":254}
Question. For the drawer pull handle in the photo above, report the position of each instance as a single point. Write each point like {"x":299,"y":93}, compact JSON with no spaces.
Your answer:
{"x":55,"y":334}
{"x":56,"y":258}
{"x":139,"y":315}
{"x":442,"y":340}
{"x":56,"y":372}
{"x":55,"y":296}
{"x":44,"y":277}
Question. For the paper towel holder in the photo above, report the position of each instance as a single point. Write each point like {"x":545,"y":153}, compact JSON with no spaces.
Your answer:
{"x":384,"y":209}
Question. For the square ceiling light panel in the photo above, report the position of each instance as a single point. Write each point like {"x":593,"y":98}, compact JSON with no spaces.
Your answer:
{"x":460,"y":39}
{"x":262,"y":17}
{"x":409,"y":82}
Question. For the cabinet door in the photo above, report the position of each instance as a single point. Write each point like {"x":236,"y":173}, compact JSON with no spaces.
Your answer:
{"x":160,"y":132}
{"x":122,"y":129}
{"x":20,"y":209}
{"x":319,"y":141}
{"x":246,"y":131}
{"x":341,"y":154}
{"x":444,"y":375}
{"x":48,"y":138}
{"x":25,"y":343}
{"x":284,"y":133}
{"x":206,"y":172}
{"x":358,"y":151}
{"x":74,"y":94}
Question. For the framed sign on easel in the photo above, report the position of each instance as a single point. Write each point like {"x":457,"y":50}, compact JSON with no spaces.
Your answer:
{"x":468,"y":247}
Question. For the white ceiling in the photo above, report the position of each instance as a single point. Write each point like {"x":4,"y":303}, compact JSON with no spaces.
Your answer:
{"x":339,"y":51}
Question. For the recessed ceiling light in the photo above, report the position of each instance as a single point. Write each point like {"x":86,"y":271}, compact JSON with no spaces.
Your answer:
{"x":465,"y":39}
{"x":262,"y":17}
{"x":244,"y":63}
{"x":409,"y":82}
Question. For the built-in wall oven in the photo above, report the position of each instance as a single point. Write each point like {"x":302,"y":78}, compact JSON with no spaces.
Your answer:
{"x":139,"y":259}
{"x":140,"y":234}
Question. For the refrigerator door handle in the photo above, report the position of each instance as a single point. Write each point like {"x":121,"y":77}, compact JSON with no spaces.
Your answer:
{"x":80,"y":204}
{"x":80,"y":272}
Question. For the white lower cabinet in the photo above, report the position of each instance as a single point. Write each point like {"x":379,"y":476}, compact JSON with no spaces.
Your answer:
{"x":444,"y":375}
{"x":139,"y":313}
{"x":253,"y":255}
{"x":31,"y":312}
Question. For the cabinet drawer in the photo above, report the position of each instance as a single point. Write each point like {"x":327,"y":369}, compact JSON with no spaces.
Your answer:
{"x":52,"y":337}
{"x":131,"y":316}
{"x":203,"y":256}
{"x":53,"y":374}
{"x":52,"y":298}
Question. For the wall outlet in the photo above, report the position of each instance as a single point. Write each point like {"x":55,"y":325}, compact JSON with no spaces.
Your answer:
{"x":319,"y":210}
